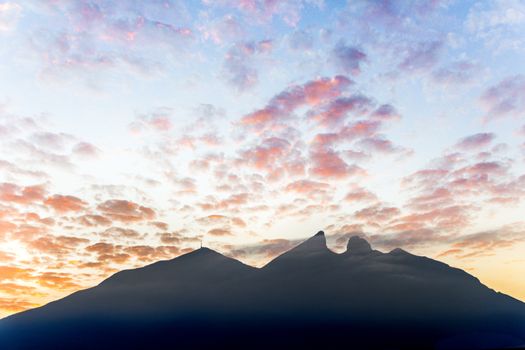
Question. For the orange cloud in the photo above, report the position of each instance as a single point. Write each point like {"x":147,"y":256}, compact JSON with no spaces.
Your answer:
{"x":56,"y":246}
{"x":14,"y":273}
{"x":219,"y":232}
{"x":13,"y":305}
{"x":91,"y":220}
{"x":57,"y":281}
{"x":10,"y":192}
{"x":126,"y":211}
{"x":65,"y":203}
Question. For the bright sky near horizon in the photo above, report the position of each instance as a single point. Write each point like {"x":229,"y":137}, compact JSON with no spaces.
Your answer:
{"x":131,"y":130}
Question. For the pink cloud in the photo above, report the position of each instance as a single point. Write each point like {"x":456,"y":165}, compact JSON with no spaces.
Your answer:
{"x":347,"y":133}
{"x":159,"y":120}
{"x":377,"y":214}
{"x":476,"y":141}
{"x":483,"y":168}
{"x":506,"y":98}
{"x":268,"y":153}
{"x":86,"y":149}
{"x":360,"y":194}
{"x":336,"y":112}
{"x":306,"y":186}
{"x":328,"y":164}
{"x":275,"y":157}
{"x":281,"y":106}
{"x":379,"y":144}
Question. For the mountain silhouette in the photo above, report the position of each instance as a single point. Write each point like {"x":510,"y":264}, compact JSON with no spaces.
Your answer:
{"x":308,"y":297}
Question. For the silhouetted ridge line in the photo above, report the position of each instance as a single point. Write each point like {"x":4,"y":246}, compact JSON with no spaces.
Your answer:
{"x":308,"y":296}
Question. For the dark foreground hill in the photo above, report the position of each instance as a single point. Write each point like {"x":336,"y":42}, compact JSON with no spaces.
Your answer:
{"x":309,"y":297}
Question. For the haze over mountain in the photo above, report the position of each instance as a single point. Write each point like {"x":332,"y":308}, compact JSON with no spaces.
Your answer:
{"x":308,"y":296}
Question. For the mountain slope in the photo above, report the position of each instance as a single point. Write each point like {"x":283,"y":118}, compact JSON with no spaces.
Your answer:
{"x":308,"y":295}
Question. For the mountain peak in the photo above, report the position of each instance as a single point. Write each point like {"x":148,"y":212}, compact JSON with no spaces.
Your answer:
{"x":314,"y":246}
{"x":357,"y":245}
{"x":316,"y":242}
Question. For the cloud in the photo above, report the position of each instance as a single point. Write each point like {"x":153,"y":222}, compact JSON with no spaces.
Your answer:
{"x":150,"y":253}
{"x":275,"y":157}
{"x":282,"y":105}
{"x":301,"y":40}
{"x":348,"y":58}
{"x":421,"y":56}
{"x":57,"y":281}
{"x":12,"y":273}
{"x":238,"y":69}
{"x":89,"y":37}
{"x":476,"y":141}
{"x":56,"y":246}
{"x":307,"y":186}
{"x":44,"y":157}
{"x":406,"y":239}
{"x":268,"y":153}
{"x":497,"y":24}
{"x":379,"y":144}
{"x":101,"y":248}
{"x":485,"y":242}
{"x":263,"y":250}
{"x":359,"y":194}
{"x":13,"y":305}
{"x":17,"y":172}
{"x":120,"y":233}
{"x":506,"y":98}
{"x":328,"y":164}
{"x":63,"y":203}
{"x":159,"y":121}
{"x":377,"y":214}
{"x":215,"y":219}
{"x":385,"y":112}
{"x":125,"y":211}
{"x":440,"y":197}
{"x":10,"y":192}
{"x":86,"y":149}
{"x":219,"y":232}
{"x":91,"y":220}
{"x":336,"y":112}
{"x":457,"y":72}
{"x":171,"y":238}
{"x":263,"y":11}
{"x":222,"y":30}
{"x":348,"y":133}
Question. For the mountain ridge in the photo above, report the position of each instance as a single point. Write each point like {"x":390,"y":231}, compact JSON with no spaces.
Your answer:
{"x":359,"y":293}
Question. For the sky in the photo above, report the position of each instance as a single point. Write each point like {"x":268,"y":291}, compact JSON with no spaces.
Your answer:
{"x":132,"y":131}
